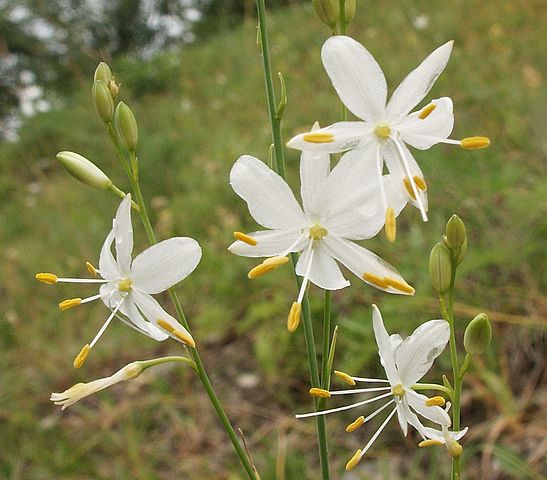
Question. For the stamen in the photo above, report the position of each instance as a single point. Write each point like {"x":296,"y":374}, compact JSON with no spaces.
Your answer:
{"x":319,"y":392}
{"x":344,"y":376}
{"x":437,"y":401}
{"x":475,"y":143}
{"x":379,"y":171}
{"x":82,"y":356}
{"x":391,"y":225}
{"x":398,"y":390}
{"x":398,"y":285}
{"x":124,"y":285}
{"x":375,"y":280}
{"x":69,"y":303}
{"x":408,"y":187}
{"x":306,"y":278}
{"x":345,"y":407}
{"x":382,"y":131}
{"x":293,"y":319}
{"x":105,"y":324}
{"x":370,"y":380}
{"x":320,"y":137}
{"x":91,"y":269}
{"x":359,"y":390}
{"x":375,"y":436}
{"x":358,"y":422}
{"x":276,"y":261}
{"x":260,"y":270}
{"x":245,"y":238}
{"x":47,"y":278}
{"x":426,"y":111}
{"x":429,"y":443}
{"x":184,"y":337}
{"x":354,"y":460}
{"x":420,"y":182}
{"x":317,"y":232}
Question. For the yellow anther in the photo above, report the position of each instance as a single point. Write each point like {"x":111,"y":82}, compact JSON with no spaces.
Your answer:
{"x":275,"y":261}
{"x":354,"y":460}
{"x":260,"y":270}
{"x":426,"y":111}
{"x":184,"y":337}
{"x":243,"y":237}
{"x":294,"y":317}
{"x":69,"y":303}
{"x":375,"y":280}
{"x":398,"y":390}
{"x":454,"y":449}
{"x":429,"y":443}
{"x":317,"y":232}
{"x":91,"y":269}
{"x":344,"y":376}
{"x":475,"y":143}
{"x":398,"y":285}
{"x":382,"y":131}
{"x":391,"y":225}
{"x":125,"y":285}
{"x":408,"y":187}
{"x":165,"y":325}
{"x":320,"y":137}
{"x":48,"y":278}
{"x":420,"y":182}
{"x":82,"y":356}
{"x":358,"y":422}
{"x":319,"y":392}
{"x":437,"y":401}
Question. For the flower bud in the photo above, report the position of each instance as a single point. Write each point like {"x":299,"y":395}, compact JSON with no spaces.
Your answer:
{"x":327,"y":11}
{"x":84,"y":170}
{"x":478,"y":335}
{"x":440,"y":268}
{"x":126,"y":126}
{"x":350,"y":10}
{"x":114,"y":88}
{"x":102,"y":99}
{"x":454,"y":449}
{"x":462,"y":253}
{"x":103,"y":73}
{"x":455,"y":232}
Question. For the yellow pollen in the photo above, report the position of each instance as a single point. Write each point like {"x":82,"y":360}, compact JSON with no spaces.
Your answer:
{"x":391,"y":225}
{"x":426,"y":111}
{"x":437,"y":401}
{"x":243,"y":237}
{"x":319,"y":392}
{"x":275,"y":261}
{"x":398,"y":390}
{"x":358,"y":422}
{"x":260,"y":270}
{"x":420,"y":183}
{"x":294,"y":317}
{"x":344,"y":376}
{"x":382,"y":131}
{"x":69,"y":303}
{"x":184,"y":337}
{"x":321,"y":137}
{"x":317,"y":232}
{"x":165,"y":325}
{"x":375,"y":280}
{"x":82,"y":356}
{"x":408,"y":187}
{"x":429,"y":443}
{"x":354,"y":460}
{"x":125,"y":285}
{"x":398,"y":285}
{"x":48,"y":278}
{"x":91,"y":269}
{"x":475,"y":143}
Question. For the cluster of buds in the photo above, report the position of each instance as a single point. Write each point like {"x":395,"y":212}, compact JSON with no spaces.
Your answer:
{"x":329,"y":11}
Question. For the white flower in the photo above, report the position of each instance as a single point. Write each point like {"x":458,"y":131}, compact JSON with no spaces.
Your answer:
{"x":386,"y":129}
{"x":405,"y":362}
{"x":128,"y":285}
{"x":339,"y":206}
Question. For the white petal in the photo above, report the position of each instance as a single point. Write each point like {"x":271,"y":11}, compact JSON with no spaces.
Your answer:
{"x":395,"y":340}
{"x":345,"y":136}
{"x":423,"y":133}
{"x":110,"y":295}
{"x":401,"y":416}
{"x":107,"y":264}
{"x":269,"y":243}
{"x":123,"y":234}
{"x":270,"y":200}
{"x":387,"y":355}
{"x":433,"y":413}
{"x":324,"y":272}
{"x":418,"y":83}
{"x":416,"y":354}
{"x":360,"y":261}
{"x":163,"y":265}
{"x":137,"y":321}
{"x":356,"y":76}
{"x":314,"y":169}
{"x":438,"y":435}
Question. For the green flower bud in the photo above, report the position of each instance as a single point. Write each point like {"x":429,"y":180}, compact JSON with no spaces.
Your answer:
{"x":103,"y":73}
{"x":440,"y":268}
{"x":102,"y":99}
{"x":126,"y":126}
{"x":327,"y":11}
{"x":455,"y":232}
{"x":478,"y":335}
{"x":84,"y":170}
{"x":462,"y":253}
{"x":350,"y":10}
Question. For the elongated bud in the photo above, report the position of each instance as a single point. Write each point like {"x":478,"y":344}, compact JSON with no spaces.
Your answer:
{"x":440,"y":268}
{"x":102,"y":99}
{"x":455,"y":232}
{"x":350,"y":10}
{"x":103,"y":73}
{"x":127,"y":126}
{"x":327,"y":11}
{"x":84,"y":170}
{"x":462,"y":253}
{"x":478,"y":335}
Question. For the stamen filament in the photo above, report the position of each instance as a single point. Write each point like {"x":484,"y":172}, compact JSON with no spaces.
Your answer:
{"x":306,"y":274}
{"x":376,"y":435}
{"x":81,"y":280}
{"x":105,"y":324}
{"x":359,"y":390}
{"x":345,"y":407}
{"x":370,"y":380}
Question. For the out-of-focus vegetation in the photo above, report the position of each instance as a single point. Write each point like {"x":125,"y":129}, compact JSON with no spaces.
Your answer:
{"x":199,"y":109}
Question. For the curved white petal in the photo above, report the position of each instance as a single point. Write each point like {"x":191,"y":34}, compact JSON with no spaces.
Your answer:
{"x":110,"y":295}
{"x":136,"y":320}
{"x":339,"y":137}
{"x":269,"y":198}
{"x":314,"y":169}
{"x":123,"y":234}
{"x":387,"y":355}
{"x":356,"y":76}
{"x":324,"y":271}
{"x":439,"y":435}
{"x":416,"y":353}
{"x":403,"y":421}
{"x":418,"y":83}
{"x":164,"y":264}
{"x":426,"y":132}
{"x":107,"y":263}
{"x":269,"y":243}
{"x":436,"y":414}
{"x":395,"y":340}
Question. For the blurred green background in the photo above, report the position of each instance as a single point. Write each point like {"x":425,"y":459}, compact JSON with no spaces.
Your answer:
{"x":201,"y":106}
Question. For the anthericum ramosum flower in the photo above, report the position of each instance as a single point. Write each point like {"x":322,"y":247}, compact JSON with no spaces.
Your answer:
{"x":127,"y":285}
{"x":405,"y":362}
{"x":386,"y":129}
{"x":340,"y":206}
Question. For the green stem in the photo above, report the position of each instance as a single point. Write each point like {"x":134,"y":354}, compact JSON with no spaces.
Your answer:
{"x":325,"y":371}
{"x":343,"y":21}
{"x":433,"y":386}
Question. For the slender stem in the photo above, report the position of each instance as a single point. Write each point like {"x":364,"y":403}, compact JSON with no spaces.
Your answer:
{"x":325,"y":373}
{"x":433,"y":386}
{"x":343,"y":21}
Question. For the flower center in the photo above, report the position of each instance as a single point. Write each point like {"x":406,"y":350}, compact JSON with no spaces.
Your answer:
{"x":382,"y":131}
{"x":317,"y":232}
{"x":125,"y":285}
{"x":398,"y":391}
